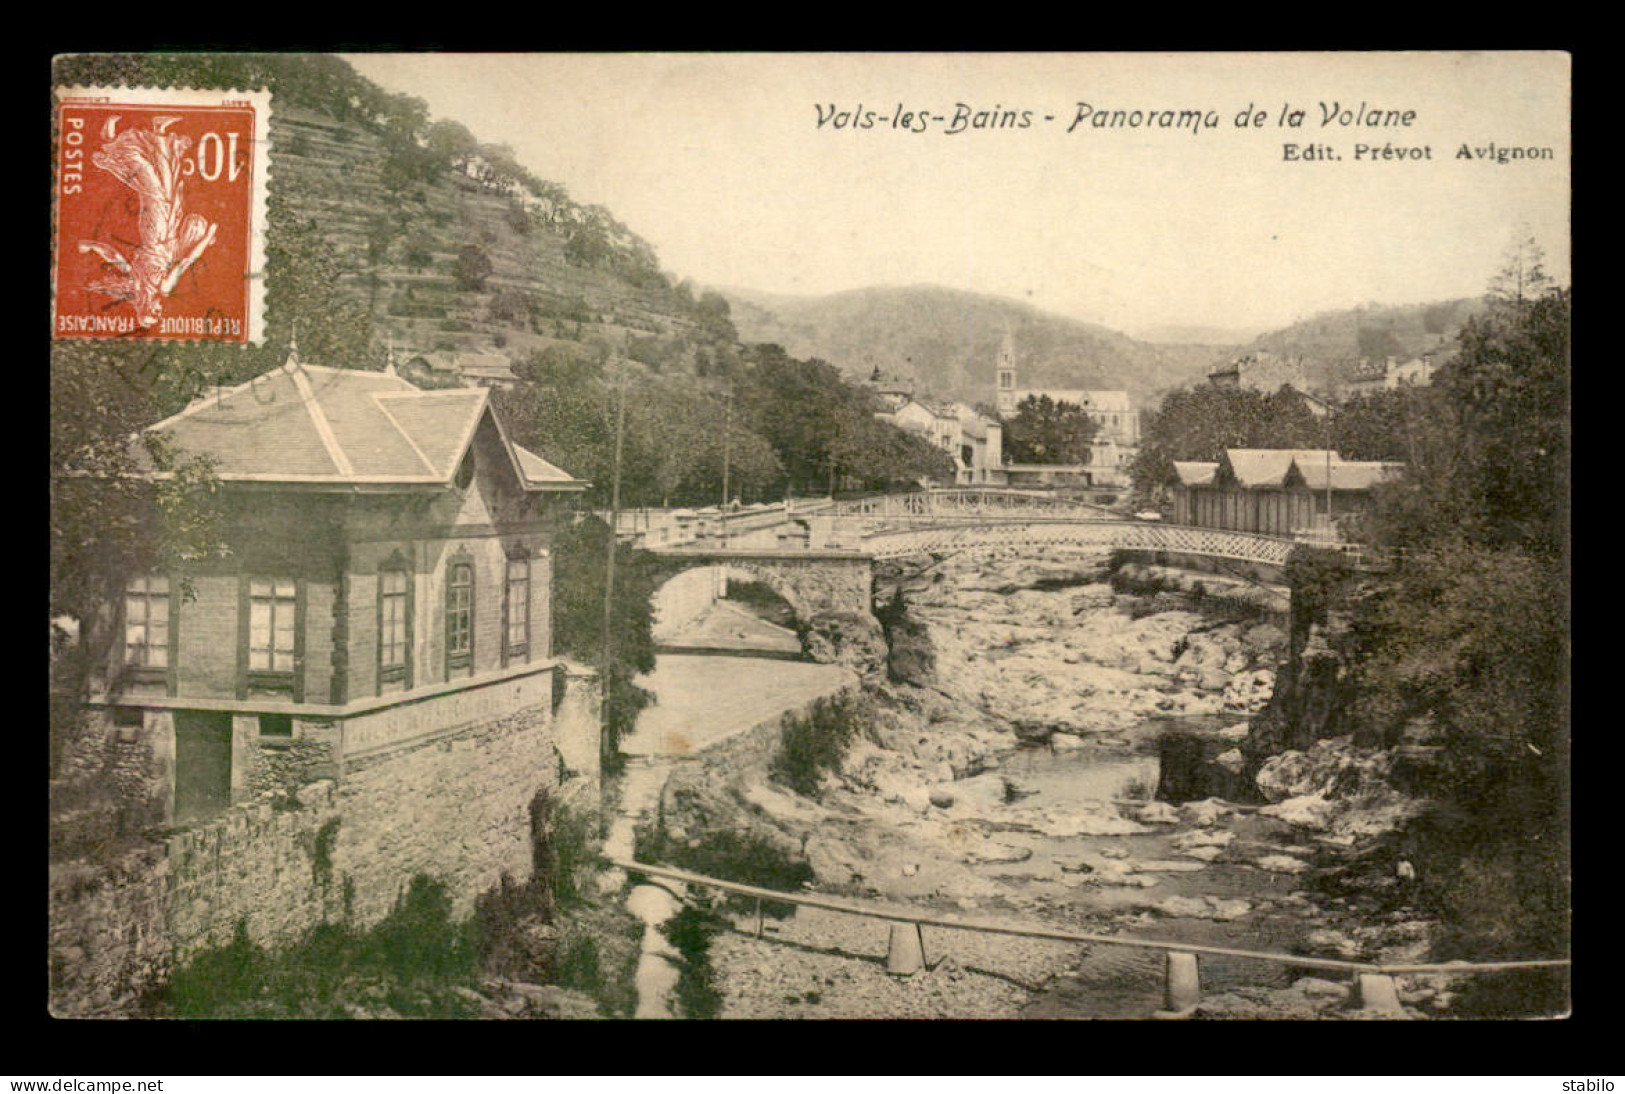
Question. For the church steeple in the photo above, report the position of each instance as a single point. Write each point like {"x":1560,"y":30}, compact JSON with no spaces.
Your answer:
{"x":1004,"y":392}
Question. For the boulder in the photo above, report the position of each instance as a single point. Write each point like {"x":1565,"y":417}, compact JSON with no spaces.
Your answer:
{"x":990,"y":853}
{"x":1311,"y":811}
{"x":853,"y":639}
{"x":1249,"y":691}
{"x":1157,"y":813}
{"x":1282,"y":864}
{"x":1092,"y":598}
{"x":942,"y":797}
{"x":1336,"y":941}
{"x":1205,"y":813}
{"x":1265,"y":638}
{"x":1329,"y":989}
{"x":1207,"y":907}
{"x":1186,"y":841}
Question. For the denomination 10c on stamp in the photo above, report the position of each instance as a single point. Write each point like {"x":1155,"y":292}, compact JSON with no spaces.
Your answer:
{"x":160,"y":214}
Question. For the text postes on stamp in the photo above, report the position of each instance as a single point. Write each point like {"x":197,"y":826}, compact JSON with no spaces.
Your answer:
{"x":160,"y":214}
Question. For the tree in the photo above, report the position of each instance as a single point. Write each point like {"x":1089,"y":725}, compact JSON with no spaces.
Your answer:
{"x":1489,"y":452}
{"x":473,"y":267}
{"x":580,"y":555}
{"x":1467,"y":643}
{"x":1523,"y":271}
{"x":713,"y":312}
{"x":1045,"y":431}
{"x":1199,"y":423}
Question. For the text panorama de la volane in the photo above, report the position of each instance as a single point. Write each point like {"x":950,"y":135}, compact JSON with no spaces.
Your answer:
{"x":1084,"y":116}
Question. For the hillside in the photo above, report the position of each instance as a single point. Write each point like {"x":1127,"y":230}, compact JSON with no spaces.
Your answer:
{"x":466,"y":259}
{"x":947,"y":340}
{"x":1332,"y":343}
{"x":390,"y":232}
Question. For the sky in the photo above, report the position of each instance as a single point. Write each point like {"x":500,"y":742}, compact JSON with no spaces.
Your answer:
{"x":1176,"y":215}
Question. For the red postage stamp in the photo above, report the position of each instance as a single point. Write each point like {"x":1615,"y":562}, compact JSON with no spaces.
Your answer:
{"x":160,"y":214}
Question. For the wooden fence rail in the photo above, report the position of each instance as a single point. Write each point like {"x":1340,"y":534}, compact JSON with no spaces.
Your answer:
{"x":925,"y":919}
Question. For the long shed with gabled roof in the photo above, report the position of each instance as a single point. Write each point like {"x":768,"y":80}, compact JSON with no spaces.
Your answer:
{"x":1274,"y":491}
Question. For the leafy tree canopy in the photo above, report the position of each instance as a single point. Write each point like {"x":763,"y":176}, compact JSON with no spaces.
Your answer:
{"x":1045,"y":431}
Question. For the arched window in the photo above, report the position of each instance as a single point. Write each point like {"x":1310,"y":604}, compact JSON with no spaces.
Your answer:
{"x":395,"y":622}
{"x":459,"y":616}
{"x":516,"y":609}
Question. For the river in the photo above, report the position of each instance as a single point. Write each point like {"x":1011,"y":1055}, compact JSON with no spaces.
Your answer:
{"x":942,"y":807}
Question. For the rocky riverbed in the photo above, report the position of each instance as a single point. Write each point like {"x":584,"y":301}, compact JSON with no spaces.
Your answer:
{"x":1004,"y":773}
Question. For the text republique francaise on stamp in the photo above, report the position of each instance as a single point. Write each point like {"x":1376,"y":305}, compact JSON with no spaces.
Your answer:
{"x":160,"y":214}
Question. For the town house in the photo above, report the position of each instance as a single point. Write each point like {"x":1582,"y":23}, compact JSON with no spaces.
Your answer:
{"x":387,"y":580}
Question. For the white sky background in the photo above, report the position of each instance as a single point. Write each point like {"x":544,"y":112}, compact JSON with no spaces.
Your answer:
{"x":717,"y":161}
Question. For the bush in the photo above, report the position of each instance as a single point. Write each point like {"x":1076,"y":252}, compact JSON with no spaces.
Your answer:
{"x":561,"y":847}
{"x":816,"y":742}
{"x":418,"y":939}
{"x":219,"y":981}
{"x":690,"y":932}
{"x":744,"y":857}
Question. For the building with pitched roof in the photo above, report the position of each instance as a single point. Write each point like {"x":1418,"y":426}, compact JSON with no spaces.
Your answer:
{"x":975,"y":442}
{"x":387,"y":579}
{"x":1117,"y":423}
{"x":892,"y":391}
{"x":488,"y":369}
{"x":1276,"y":491}
{"x":1262,"y":370}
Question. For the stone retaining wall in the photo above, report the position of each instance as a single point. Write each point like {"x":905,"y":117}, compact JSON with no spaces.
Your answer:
{"x":455,"y":806}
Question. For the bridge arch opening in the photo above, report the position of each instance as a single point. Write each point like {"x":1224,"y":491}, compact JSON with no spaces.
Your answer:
{"x":727,"y":606}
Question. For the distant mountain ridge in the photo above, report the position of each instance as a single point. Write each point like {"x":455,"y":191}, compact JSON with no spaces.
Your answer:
{"x":947,"y":340}
{"x":1330,"y":345}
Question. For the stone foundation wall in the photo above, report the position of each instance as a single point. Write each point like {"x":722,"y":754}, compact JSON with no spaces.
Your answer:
{"x":456,"y":808}
{"x":453,"y":805}
{"x":259,"y":864}
{"x":108,"y":939}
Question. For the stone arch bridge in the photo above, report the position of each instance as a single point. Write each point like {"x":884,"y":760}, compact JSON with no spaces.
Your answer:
{"x":840,"y":577}
{"x":812,"y":581}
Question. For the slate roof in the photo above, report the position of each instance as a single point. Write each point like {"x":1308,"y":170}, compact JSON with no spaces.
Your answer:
{"x":1349,"y":475}
{"x":1195,"y":472}
{"x":315,"y":425}
{"x":1256,"y":467}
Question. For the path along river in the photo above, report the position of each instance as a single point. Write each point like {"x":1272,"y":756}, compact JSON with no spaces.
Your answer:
{"x":699,"y":701}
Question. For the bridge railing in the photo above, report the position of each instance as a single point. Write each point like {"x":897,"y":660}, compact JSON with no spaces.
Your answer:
{"x":947,"y":536}
{"x":966,"y":501}
{"x":1375,"y":987}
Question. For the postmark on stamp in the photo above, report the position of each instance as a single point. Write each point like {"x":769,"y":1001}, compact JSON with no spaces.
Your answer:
{"x":160,"y":214}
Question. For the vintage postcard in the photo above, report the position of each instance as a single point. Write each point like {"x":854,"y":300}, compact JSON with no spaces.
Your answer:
{"x":848,"y":536}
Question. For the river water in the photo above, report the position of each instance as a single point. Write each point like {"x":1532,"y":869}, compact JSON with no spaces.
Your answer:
{"x":1124,"y":982}
{"x":1069,"y":881}
{"x":1058,"y":885}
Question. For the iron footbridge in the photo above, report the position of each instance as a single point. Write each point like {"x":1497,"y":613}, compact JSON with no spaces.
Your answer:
{"x":943,"y":537}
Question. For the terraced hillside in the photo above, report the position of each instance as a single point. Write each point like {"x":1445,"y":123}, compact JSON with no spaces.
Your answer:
{"x":465,"y":262}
